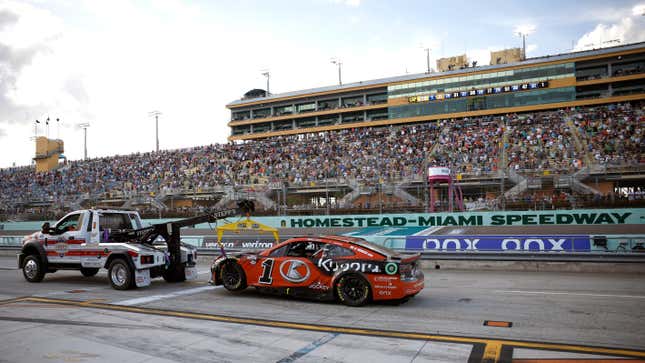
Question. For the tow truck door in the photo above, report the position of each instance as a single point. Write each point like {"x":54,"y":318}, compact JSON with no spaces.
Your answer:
{"x":65,"y":244}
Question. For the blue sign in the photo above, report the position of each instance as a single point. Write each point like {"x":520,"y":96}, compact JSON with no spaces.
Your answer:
{"x":570,"y":243}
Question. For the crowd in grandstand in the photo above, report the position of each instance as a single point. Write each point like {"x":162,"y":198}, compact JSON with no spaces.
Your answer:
{"x":614,"y":133}
{"x":542,"y":141}
{"x":611,"y":135}
{"x":470,"y":146}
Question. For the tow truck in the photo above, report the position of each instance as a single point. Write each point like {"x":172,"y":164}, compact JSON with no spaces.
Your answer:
{"x":91,"y":239}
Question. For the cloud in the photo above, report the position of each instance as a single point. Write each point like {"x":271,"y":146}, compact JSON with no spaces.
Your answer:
{"x":627,"y":30}
{"x":29,"y":61}
{"x":525,"y":29}
{"x":13,"y":61}
{"x":530,"y":48}
{"x":7,"y":18}
{"x":350,"y":3}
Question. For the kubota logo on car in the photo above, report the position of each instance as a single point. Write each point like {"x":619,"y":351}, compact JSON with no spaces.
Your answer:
{"x":294,"y":271}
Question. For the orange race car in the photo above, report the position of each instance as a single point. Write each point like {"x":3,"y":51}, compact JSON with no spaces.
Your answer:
{"x":349,"y":269}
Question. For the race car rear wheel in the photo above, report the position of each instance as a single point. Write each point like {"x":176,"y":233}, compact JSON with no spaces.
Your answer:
{"x":32,"y":269}
{"x":353,"y":290}
{"x":89,"y":271}
{"x":232,"y":276}
{"x":121,"y":275}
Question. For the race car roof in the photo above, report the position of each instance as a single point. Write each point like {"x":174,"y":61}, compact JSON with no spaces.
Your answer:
{"x":363,"y":243}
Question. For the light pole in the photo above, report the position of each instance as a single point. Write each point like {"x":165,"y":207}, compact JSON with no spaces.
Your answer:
{"x":523,"y":31}
{"x":156,"y":114}
{"x":84,"y":126}
{"x":267,"y":74}
{"x":339,"y":64}
{"x":523,"y":36}
{"x":36,"y":129}
{"x":427,"y":59}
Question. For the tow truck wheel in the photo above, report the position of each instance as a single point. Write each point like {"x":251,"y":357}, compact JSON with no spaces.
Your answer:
{"x":121,"y":275}
{"x":353,"y":290}
{"x":232,"y":276}
{"x":175,"y":274}
{"x":89,"y":271}
{"x":32,"y":269}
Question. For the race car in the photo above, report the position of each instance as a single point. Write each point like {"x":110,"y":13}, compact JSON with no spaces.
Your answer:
{"x":351,"y":270}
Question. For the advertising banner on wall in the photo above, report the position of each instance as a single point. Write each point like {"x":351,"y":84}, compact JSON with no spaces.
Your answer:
{"x":569,"y":243}
{"x":511,"y":218}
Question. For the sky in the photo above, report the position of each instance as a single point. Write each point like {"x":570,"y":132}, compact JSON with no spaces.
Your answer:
{"x":110,"y":63}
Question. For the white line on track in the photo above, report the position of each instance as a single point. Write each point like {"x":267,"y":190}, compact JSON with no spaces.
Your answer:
{"x":147,"y":299}
{"x":567,"y":293}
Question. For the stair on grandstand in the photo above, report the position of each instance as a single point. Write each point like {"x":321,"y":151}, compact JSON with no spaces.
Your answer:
{"x":232,"y":195}
{"x":399,"y":191}
{"x":581,"y":148}
{"x":521,"y":184}
{"x":580,"y":187}
{"x":144,"y":200}
{"x":348,"y":199}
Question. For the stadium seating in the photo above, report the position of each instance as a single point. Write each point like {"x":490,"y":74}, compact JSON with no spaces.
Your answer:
{"x":558,"y":141}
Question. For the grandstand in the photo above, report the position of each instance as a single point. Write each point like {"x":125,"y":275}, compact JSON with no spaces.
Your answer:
{"x":562,"y":131}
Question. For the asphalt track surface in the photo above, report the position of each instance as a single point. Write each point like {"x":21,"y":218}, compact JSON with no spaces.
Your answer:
{"x":565,"y":316}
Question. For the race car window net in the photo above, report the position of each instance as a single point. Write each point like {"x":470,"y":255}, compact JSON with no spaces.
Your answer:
{"x":279,"y":252}
{"x":338,"y":251}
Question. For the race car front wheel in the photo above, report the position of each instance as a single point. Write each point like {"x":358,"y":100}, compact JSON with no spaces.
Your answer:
{"x":353,"y":290}
{"x":32,"y":269}
{"x":232,"y":276}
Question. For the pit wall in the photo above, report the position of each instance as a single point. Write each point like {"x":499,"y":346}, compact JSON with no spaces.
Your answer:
{"x":507,"y":218}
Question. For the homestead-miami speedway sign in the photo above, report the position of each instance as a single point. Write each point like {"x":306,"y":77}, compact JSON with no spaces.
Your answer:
{"x":511,"y":218}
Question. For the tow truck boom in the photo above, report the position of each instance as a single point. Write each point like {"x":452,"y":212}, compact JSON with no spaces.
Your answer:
{"x":170,"y":231}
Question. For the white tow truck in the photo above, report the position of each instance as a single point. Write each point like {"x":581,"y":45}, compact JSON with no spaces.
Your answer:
{"x":91,"y":239}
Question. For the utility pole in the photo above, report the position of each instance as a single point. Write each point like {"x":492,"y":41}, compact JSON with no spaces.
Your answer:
{"x":267,"y":74}
{"x":156,"y":114}
{"x":339,"y":64}
{"x":84,"y":126}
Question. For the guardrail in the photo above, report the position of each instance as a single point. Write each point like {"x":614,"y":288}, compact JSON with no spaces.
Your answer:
{"x":598,"y":257}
